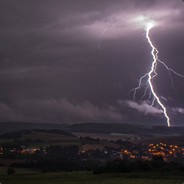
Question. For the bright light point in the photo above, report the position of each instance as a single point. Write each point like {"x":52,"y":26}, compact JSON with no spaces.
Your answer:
{"x":150,"y":25}
{"x":146,"y":22}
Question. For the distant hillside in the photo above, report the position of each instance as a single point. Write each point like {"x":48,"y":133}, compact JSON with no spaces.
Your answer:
{"x":107,"y":128}
{"x":140,"y":130}
{"x":92,"y":127}
{"x":6,"y":127}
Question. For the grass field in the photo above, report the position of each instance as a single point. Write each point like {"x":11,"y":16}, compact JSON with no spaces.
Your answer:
{"x":78,"y":178}
{"x":43,"y":139}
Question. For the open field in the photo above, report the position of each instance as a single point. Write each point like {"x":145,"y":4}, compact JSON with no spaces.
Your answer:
{"x":109,"y":137}
{"x":29,"y":177}
{"x":172,"y":139}
{"x":38,"y":138}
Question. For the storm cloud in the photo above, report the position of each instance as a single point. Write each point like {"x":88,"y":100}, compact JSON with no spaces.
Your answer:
{"x":144,"y":107}
{"x":72,"y":61}
{"x":52,"y":110}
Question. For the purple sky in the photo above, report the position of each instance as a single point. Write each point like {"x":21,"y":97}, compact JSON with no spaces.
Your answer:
{"x":74,"y":61}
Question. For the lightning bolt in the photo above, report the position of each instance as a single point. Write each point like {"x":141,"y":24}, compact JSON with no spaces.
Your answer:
{"x":153,"y":74}
{"x":148,"y":77}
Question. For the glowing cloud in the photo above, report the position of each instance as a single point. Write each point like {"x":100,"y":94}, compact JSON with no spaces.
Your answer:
{"x":145,"y":22}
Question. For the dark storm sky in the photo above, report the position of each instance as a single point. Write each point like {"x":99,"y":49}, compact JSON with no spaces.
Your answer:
{"x":77,"y":60}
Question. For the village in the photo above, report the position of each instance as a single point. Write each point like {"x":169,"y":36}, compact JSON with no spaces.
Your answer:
{"x":98,"y":151}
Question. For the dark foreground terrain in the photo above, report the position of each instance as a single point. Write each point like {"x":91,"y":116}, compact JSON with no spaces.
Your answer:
{"x":72,"y":156}
{"x":28,"y":177}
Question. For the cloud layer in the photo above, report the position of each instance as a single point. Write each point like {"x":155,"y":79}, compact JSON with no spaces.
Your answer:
{"x":144,"y":107}
{"x":58,"y":110}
